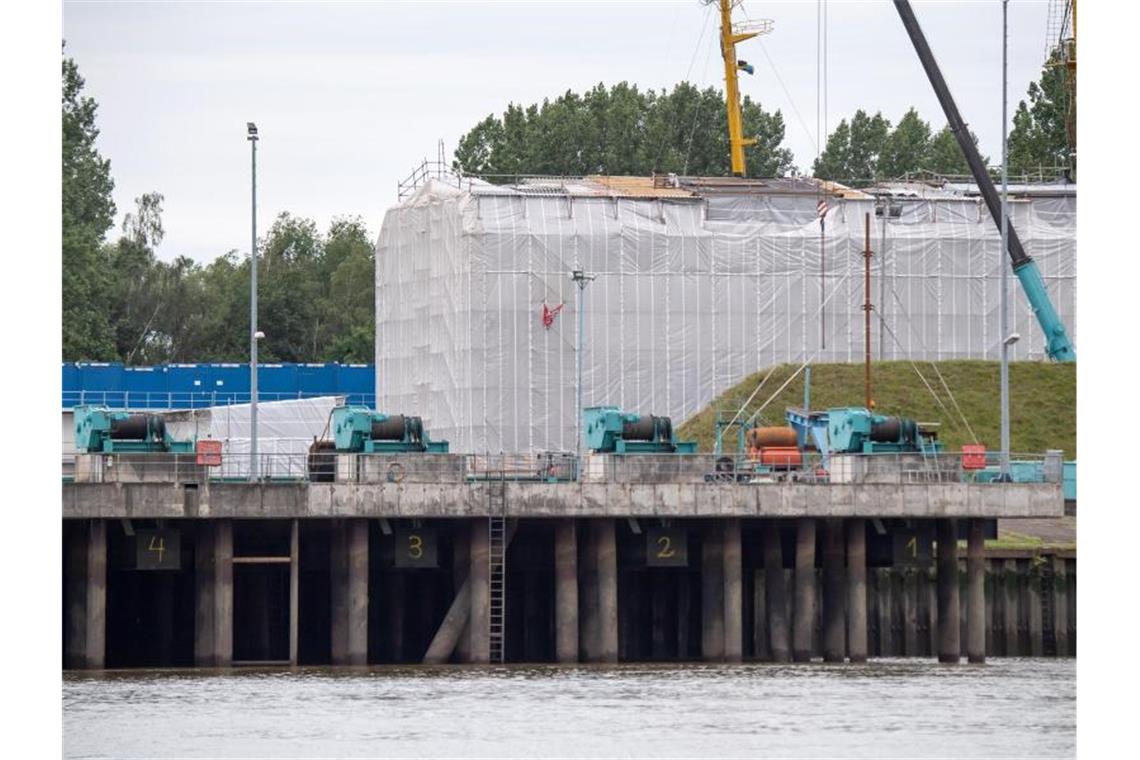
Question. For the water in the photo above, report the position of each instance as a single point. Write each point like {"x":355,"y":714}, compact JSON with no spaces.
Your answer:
{"x":889,"y":708}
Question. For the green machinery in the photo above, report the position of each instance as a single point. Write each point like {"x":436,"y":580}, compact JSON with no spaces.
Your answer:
{"x":358,"y":429}
{"x":612,"y":431}
{"x":98,"y":429}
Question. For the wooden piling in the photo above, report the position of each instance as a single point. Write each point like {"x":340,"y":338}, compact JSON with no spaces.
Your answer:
{"x":1010,"y":609}
{"x":712,"y":593}
{"x":607,"y":590}
{"x":566,"y":590}
{"x":733,"y":592}
{"x":834,"y":628}
{"x":480,"y":575}
{"x":75,"y":634}
{"x":775,"y":593}
{"x":976,"y":608}
{"x":295,"y":591}
{"x":1061,"y":607}
{"x":95,"y":648}
{"x":205,"y":565}
{"x":1033,"y":609}
{"x":857,"y":590}
{"x":910,"y":599}
{"x":949,"y":627}
{"x":805,"y":590}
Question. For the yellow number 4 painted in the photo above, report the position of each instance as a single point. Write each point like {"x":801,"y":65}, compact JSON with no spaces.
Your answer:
{"x":157,"y":545}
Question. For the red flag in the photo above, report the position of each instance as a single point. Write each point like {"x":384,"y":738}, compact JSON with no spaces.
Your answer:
{"x":548,"y":314}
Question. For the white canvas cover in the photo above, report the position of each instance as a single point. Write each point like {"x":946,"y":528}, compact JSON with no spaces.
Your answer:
{"x":690,"y":296}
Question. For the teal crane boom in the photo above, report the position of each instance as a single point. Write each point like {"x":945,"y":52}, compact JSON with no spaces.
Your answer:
{"x":1059,"y":347}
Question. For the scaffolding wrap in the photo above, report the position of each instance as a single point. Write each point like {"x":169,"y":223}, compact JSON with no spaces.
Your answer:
{"x":694,"y":290}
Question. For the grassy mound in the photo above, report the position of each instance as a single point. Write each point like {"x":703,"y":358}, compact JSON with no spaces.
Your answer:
{"x":1043,"y":400}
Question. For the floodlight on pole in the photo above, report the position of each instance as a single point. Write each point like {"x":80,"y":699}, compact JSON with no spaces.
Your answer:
{"x":254,"y":333}
{"x":581,"y":279}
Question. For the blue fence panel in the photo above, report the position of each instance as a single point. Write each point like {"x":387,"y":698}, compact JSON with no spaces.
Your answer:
{"x":186,"y":386}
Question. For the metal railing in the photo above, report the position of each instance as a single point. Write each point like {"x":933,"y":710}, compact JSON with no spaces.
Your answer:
{"x":196,"y":400}
{"x":709,"y":469}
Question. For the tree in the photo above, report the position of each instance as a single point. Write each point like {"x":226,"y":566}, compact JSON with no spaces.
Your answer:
{"x":1039,"y":138}
{"x":946,"y":157}
{"x":622,"y":131}
{"x":906,"y":148}
{"x":87,"y":213}
{"x":852,"y":152}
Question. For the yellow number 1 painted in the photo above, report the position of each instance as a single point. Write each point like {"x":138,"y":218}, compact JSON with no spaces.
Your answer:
{"x":912,"y":544}
{"x":667,"y":549}
{"x":415,"y":546}
{"x":160,"y":547}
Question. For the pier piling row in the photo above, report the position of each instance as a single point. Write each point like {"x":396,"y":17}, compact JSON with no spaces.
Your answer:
{"x":356,"y":591}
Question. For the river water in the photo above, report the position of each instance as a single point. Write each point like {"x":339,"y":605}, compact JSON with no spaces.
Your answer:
{"x":889,"y":708}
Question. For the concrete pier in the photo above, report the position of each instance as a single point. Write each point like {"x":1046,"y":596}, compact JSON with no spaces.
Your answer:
{"x":95,"y":649}
{"x":733,"y":592}
{"x":589,"y":633}
{"x":480,"y":577}
{"x":949,"y":625}
{"x":712,"y":593}
{"x":566,"y":591}
{"x":775,"y":593}
{"x":214,"y":614}
{"x":857,"y":590}
{"x":349,"y":592}
{"x":976,"y":602}
{"x":461,"y":566}
{"x":805,"y":590}
{"x":607,"y":590}
{"x":834,"y":629}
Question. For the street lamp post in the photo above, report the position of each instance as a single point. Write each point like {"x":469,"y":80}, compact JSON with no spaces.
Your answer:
{"x":1006,"y":341}
{"x":581,"y":279}
{"x":254,"y":334}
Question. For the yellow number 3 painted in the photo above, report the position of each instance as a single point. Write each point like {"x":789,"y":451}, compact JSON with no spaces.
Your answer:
{"x":415,"y":546}
{"x":159,"y":547}
{"x":666,"y":551}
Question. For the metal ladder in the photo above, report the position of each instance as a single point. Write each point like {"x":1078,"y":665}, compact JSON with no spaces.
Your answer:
{"x":497,"y":527}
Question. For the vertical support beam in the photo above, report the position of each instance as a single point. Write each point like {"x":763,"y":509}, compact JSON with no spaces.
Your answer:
{"x":684,"y":614}
{"x":760,"y":649}
{"x":480,"y":575}
{"x":357,"y":544}
{"x":949,"y":628}
{"x":95,"y":649}
{"x":205,"y":569}
{"x":658,"y":586}
{"x":976,"y":609}
{"x":805,"y":589}
{"x":834,"y":628}
{"x":588,"y":631}
{"x":294,"y":590}
{"x":75,"y":536}
{"x":857,"y":590}
{"x":607,"y":590}
{"x":910,"y":599}
{"x":712,"y":593}
{"x":733,"y":592}
{"x":224,"y":593}
{"x":461,"y":565}
{"x":338,"y":593}
{"x":886,"y":618}
{"x":775,"y":593}
{"x":566,"y":590}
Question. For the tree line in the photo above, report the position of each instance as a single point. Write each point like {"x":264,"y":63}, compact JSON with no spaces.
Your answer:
{"x":121,"y":303}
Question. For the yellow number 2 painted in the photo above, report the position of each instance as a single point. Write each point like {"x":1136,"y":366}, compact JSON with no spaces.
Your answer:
{"x":157,"y":545}
{"x":415,"y":546}
{"x":666,"y":551}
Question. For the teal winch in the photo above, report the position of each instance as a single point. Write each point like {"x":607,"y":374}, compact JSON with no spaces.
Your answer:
{"x":98,"y":429}
{"x":359,"y":429}
{"x":611,"y":431}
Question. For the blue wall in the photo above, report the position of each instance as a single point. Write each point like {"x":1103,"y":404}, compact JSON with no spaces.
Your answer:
{"x":192,"y":386}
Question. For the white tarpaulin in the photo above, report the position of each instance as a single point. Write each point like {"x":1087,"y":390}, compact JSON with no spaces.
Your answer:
{"x":691,"y":295}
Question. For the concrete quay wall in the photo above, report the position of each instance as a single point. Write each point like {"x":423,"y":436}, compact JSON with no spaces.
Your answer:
{"x":528,"y":499}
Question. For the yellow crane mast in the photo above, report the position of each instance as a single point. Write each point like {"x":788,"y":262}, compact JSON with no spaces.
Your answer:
{"x":730,"y":35}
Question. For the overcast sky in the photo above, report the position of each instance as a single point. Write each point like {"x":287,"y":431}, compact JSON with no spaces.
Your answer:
{"x":349,"y":97}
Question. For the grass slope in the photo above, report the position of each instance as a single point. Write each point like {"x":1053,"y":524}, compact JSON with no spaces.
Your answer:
{"x":1043,"y":400}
